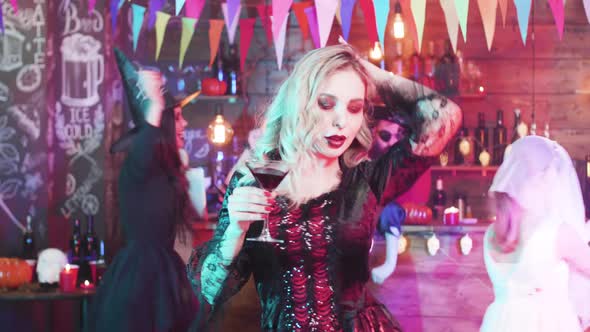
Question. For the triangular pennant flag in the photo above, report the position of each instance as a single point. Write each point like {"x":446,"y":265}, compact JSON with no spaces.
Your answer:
{"x":557,"y":9}
{"x":299,"y":9}
{"x":91,"y":5}
{"x":419,"y":12}
{"x":312,"y":19}
{"x":155,"y":6}
{"x":246,"y":34}
{"x":215,"y":29}
{"x":462,"y":7}
{"x":178,"y":6}
{"x":587,"y":9}
{"x":503,"y":9}
{"x":381,"y":15}
{"x":231,"y":28}
{"x":264,"y":13}
{"x":487,"y":9}
{"x":194,"y":8}
{"x":325,"y":10}
{"x":279,"y":40}
{"x":114,"y":7}
{"x":338,"y":11}
{"x":188,"y":29}
{"x":523,"y":10}
{"x":452,"y":20}
{"x":346,"y":9}
{"x":161,"y":23}
{"x":409,"y":24}
{"x":371,"y":25}
{"x":136,"y":22}
{"x":233,"y":7}
{"x":14,"y":6}
{"x":280,"y":12}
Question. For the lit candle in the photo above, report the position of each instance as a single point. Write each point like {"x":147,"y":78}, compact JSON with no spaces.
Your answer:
{"x":67,"y":278}
{"x":466,"y":244}
{"x":451,"y":216}
{"x":87,"y":285}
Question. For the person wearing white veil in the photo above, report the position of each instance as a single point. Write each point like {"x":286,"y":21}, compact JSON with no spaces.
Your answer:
{"x":537,"y":239}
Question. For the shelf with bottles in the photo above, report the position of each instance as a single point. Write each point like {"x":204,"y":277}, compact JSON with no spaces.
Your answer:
{"x":224,"y":98}
{"x":454,"y":169}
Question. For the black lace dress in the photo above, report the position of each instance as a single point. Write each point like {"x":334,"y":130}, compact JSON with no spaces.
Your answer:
{"x":145,"y":287}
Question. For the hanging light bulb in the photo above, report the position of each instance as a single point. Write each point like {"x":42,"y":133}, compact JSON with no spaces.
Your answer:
{"x":466,"y":244}
{"x":402,"y":244}
{"x":433,"y":245}
{"x":376,"y":54}
{"x":398,"y":22}
{"x":219,"y":131}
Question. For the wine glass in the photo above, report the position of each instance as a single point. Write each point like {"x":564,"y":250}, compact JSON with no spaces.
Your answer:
{"x":269,"y":174}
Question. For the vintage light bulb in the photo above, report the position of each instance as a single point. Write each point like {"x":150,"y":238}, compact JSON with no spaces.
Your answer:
{"x":376,"y":54}
{"x":219,"y":131}
{"x":484,"y":158}
{"x":402,"y":244}
{"x":398,"y":22}
{"x":466,"y":244}
{"x":433,"y":245}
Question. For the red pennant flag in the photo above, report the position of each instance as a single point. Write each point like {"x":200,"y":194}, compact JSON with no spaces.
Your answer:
{"x":370,"y":21}
{"x":246,"y":33}
{"x":215,"y":29}
{"x":299,"y":9}
{"x":264,"y":12}
{"x":558,"y":14}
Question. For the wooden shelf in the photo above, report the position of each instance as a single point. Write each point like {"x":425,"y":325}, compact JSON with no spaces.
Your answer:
{"x":472,"y":96}
{"x":465,"y":169}
{"x":221,"y":99}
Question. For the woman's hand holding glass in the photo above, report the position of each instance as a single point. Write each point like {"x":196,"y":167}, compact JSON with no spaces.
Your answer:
{"x":246,"y":205}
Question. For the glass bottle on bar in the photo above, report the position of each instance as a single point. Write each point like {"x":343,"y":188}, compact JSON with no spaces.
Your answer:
{"x":90,"y":241}
{"x":430,"y":67}
{"x":416,"y":64}
{"x":101,"y":265}
{"x":397,"y":65}
{"x":520,"y":128}
{"x":75,"y":252}
{"x":499,"y":139}
{"x":533,"y":130}
{"x":439,"y":200}
{"x":460,"y":141}
{"x":232,"y":65}
{"x":481,"y":136}
{"x":29,"y":251}
{"x":218,"y":65}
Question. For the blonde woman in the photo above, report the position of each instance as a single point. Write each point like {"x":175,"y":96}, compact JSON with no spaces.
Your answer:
{"x":536,"y":242}
{"x":324,"y":209}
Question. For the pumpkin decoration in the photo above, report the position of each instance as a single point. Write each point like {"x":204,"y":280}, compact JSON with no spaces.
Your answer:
{"x":14,"y":272}
{"x":213,"y":87}
{"x":417,"y":214}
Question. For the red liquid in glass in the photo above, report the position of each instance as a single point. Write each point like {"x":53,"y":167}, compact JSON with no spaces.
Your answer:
{"x":268,"y":178}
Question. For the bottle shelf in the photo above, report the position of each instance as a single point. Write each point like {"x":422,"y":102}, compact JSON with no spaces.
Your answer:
{"x":464,"y":169}
{"x":225,"y":99}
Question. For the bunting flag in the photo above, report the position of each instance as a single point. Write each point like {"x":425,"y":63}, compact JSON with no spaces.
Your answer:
{"x":503,"y":9}
{"x":346,"y":8}
{"x":178,"y":6}
{"x":188,"y":29}
{"x":325,"y":11}
{"x":587,"y":9}
{"x":299,"y":9}
{"x":462,"y":7}
{"x":114,"y":7}
{"x":155,"y":6}
{"x":91,"y":5}
{"x":233,"y":7}
{"x":410,"y":25}
{"x":312,"y":19}
{"x":280,"y":13}
{"x":231,"y":27}
{"x":246,"y":34}
{"x":452,"y":20}
{"x":523,"y":10}
{"x":419,"y":12}
{"x":369,"y":13}
{"x":194,"y":8}
{"x":381,"y":15}
{"x":136,"y":22}
{"x":215,"y":29}
{"x":264,"y":12}
{"x":161,"y":23}
{"x":558,"y":15}
{"x":487,"y":9}
{"x":279,"y":40}
{"x":14,"y":6}
{"x":338,"y":10}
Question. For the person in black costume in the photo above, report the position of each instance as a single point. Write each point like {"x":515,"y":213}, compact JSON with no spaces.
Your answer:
{"x":324,"y":209}
{"x":145,"y":288}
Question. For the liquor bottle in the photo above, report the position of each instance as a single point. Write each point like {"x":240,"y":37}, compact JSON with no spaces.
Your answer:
{"x":499,"y":139}
{"x":29,"y":251}
{"x":481,"y":136}
{"x":101,"y":265}
{"x":461,"y":150}
{"x":448,"y":72}
{"x":75,"y":252}
{"x":218,"y":66}
{"x":90,"y":241}
{"x":439,"y":200}
{"x":233,"y":69}
{"x":416,"y":65}
{"x":546,"y":132}
{"x":397,"y":65}
{"x":520,"y":128}
{"x":533,"y":131}
{"x":430,"y":67}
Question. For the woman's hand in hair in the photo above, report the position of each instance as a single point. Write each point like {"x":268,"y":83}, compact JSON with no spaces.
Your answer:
{"x":246,"y":205}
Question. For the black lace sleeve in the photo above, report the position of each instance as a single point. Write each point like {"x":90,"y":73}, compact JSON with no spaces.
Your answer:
{"x":213,"y":278}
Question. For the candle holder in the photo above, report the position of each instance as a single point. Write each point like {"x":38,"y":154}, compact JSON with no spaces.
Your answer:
{"x":67,"y":278}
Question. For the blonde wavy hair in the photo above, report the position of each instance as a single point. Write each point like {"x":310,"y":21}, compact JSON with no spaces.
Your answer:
{"x":289,"y":123}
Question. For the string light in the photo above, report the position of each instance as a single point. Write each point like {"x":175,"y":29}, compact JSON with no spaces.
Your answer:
{"x":466,"y":244}
{"x":219,"y":131}
{"x":376,"y":54}
{"x":402,"y":244}
{"x":433,"y":245}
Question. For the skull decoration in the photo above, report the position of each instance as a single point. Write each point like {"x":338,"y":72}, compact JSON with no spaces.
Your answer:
{"x":51,"y":262}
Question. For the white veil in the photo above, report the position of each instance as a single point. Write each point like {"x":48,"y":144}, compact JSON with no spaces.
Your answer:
{"x":539,"y":174}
